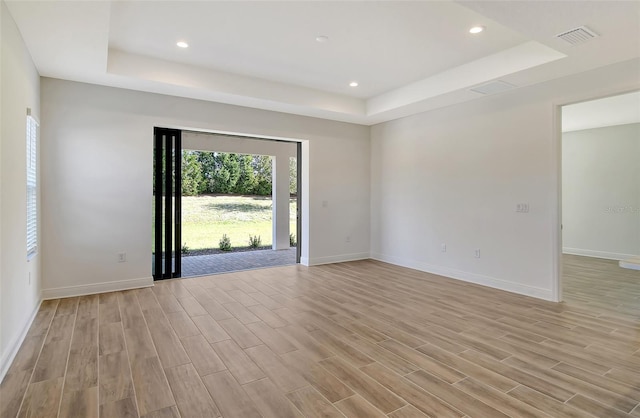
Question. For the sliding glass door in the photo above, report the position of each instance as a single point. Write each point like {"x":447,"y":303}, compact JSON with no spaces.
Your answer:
{"x":167,"y":180}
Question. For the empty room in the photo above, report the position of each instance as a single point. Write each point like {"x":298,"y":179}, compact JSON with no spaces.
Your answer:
{"x":465,"y":245}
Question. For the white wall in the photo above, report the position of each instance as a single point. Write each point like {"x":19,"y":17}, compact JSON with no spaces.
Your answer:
{"x":224,"y":143}
{"x":97,"y":174}
{"x":455,"y":176}
{"x":20,"y":88}
{"x":601,"y":192}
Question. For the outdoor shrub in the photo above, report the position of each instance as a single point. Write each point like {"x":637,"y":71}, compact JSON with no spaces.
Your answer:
{"x":255,"y":241}
{"x":225,"y":243}
{"x":185,"y":249}
{"x":292,"y":240}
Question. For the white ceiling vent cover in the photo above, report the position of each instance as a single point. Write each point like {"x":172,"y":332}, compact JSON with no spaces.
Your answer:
{"x":493,"y":87}
{"x":578,"y":35}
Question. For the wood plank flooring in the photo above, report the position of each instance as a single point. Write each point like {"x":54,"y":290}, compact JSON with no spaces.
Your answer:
{"x":359,"y":339}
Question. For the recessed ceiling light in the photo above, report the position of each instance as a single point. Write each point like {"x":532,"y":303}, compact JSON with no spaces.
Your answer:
{"x":354,"y":84}
{"x":322,"y":38}
{"x":182,"y":44}
{"x":476,"y":29}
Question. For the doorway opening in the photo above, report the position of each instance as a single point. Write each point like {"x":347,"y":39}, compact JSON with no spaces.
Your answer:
{"x":224,"y":203}
{"x":600,"y":202}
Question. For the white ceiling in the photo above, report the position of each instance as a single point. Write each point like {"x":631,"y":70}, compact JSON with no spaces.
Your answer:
{"x":609,"y":111}
{"x":407,"y":56}
{"x":276,"y":40}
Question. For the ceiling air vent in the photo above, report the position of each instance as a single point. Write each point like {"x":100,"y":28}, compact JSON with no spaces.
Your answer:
{"x":578,"y":35}
{"x":492,"y":87}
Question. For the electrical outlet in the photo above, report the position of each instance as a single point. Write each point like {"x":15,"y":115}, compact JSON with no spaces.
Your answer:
{"x":477,"y":253}
{"x":443,"y":248}
{"x":122,"y":257}
{"x":522,"y":208}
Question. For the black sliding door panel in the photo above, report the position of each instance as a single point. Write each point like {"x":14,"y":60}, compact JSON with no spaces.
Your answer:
{"x":167,"y":200}
{"x":299,"y":201}
{"x":168,"y":206}
{"x":157,"y":202}
{"x":177,"y":192}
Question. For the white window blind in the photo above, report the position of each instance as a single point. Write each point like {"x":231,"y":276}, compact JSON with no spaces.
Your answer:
{"x":32,"y":186}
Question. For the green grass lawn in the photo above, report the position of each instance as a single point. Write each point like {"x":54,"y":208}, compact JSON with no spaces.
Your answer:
{"x":206,"y":218}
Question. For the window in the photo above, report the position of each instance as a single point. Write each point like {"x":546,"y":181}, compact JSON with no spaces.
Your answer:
{"x":32,"y":203}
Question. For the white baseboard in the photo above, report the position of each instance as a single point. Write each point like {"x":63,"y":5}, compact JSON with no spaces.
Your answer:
{"x":14,"y":346}
{"x":597,"y":254}
{"x":90,"y":289}
{"x":630,"y":263}
{"x":333,"y":259}
{"x":493,"y":282}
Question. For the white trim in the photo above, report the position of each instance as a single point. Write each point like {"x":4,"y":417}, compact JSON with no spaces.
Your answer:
{"x":556,"y":224}
{"x":632,"y":263}
{"x":333,"y":259}
{"x":90,"y":289}
{"x":14,"y":346}
{"x":597,"y":254}
{"x":492,"y":282}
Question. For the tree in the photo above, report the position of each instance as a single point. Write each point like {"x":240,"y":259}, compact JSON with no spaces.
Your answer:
{"x":220,"y":178}
{"x":208,"y":167}
{"x":247,"y":182}
{"x":191,"y":173}
{"x":220,"y":172}
{"x":232,"y":164}
{"x":223,"y":171}
{"x":262,"y":166}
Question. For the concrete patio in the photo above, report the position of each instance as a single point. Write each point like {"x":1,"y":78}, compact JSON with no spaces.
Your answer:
{"x":201,"y":265}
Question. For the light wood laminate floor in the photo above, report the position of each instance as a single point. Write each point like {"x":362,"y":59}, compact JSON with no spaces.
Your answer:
{"x":359,"y":339}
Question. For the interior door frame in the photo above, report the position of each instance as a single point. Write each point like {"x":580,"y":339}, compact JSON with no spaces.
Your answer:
{"x":168,"y":144}
{"x":556,"y":232}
